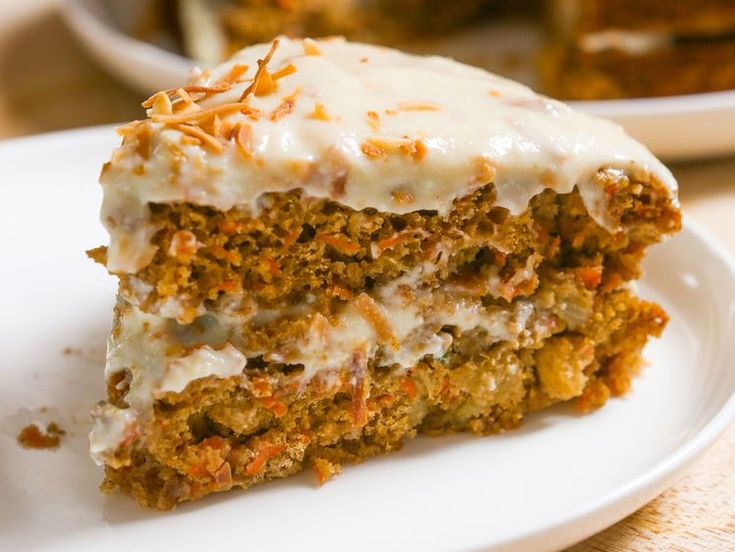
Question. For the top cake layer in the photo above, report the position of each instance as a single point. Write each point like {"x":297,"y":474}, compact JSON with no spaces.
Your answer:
{"x":363,"y":125}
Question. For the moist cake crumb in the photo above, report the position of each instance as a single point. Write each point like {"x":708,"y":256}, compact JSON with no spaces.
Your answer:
{"x":326,"y":470}
{"x":32,"y":437}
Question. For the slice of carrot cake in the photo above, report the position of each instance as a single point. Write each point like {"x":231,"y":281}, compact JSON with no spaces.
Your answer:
{"x":325,"y":248}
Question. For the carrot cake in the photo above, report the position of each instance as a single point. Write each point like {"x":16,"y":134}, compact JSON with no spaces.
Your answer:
{"x":325,"y":248}
{"x":636,"y":48}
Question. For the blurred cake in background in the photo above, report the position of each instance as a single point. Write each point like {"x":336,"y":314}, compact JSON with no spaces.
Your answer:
{"x":638,"y":48}
{"x":591,"y":49}
{"x":212,"y":29}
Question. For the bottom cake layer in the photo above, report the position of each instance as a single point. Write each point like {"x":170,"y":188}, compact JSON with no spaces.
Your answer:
{"x":217,"y":434}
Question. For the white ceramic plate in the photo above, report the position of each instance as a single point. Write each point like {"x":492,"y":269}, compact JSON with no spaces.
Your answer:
{"x":557,"y":480}
{"x":682,"y":127}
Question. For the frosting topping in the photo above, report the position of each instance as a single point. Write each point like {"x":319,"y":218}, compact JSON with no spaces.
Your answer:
{"x":363,"y":125}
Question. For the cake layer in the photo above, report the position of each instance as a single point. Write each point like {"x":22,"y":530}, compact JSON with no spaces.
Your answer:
{"x":301,"y":249}
{"x":394,"y":326}
{"x":692,"y":66}
{"x":368,"y":127}
{"x":224,"y":432}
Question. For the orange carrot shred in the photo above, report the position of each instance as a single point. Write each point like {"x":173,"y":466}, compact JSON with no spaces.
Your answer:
{"x":265,"y":452}
{"x":409,"y":387}
{"x":207,"y":139}
{"x":590,"y":276}
{"x":234,"y":74}
{"x":376,"y":315}
{"x":286,"y":107}
{"x":341,"y":244}
{"x":259,"y":73}
{"x":285,"y":71}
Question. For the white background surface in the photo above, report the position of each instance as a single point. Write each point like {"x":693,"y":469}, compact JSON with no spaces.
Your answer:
{"x":558,"y":479}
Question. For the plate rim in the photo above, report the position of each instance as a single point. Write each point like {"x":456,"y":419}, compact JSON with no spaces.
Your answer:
{"x":598,"y":513}
{"x":653,"y":481}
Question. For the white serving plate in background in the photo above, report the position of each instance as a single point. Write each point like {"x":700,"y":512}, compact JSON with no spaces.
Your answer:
{"x":674,"y":128}
{"x":558,"y":479}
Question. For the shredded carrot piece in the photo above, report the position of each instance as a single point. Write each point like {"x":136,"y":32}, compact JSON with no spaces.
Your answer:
{"x":261,"y":386}
{"x":227,"y":286}
{"x":286,"y":107}
{"x":403,"y":197}
{"x":259,"y":73}
{"x":319,"y":113}
{"x":229,"y":228}
{"x":144,"y":140}
{"x":274,"y":405}
{"x":289,"y":69}
{"x":612,"y":281}
{"x":243,"y":138}
{"x":373,"y":120}
{"x":409,"y":387}
{"x":341,"y":244}
{"x":311,"y":47}
{"x":359,"y":400}
{"x":217,"y":126}
{"x":265,"y":452}
{"x":233,"y":75}
{"x":184,"y":103}
{"x":418,"y":106}
{"x":151,"y":99}
{"x":290,"y":238}
{"x":216,"y":442}
{"x":215,"y":88}
{"x":129,"y":128}
{"x":590,"y":276}
{"x":266,"y":84}
{"x":485,"y":171}
{"x":371,"y":150}
{"x":202,"y":115}
{"x":253,"y":113}
{"x":161,"y":104}
{"x":378,"y":147}
{"x":378,"y":318}
{"x":207,"y":139}
{"x":272,"y":265}
{"x":220,"y":86}
{"x":341,"y":292}
{"x":416,"y":149}
{"x":394,"y":240}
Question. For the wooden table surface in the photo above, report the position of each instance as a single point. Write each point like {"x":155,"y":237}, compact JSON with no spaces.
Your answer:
{"x":49,"y":83}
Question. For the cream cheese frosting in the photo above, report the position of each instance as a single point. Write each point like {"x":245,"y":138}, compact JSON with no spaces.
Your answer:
{"x":363,"y":125}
